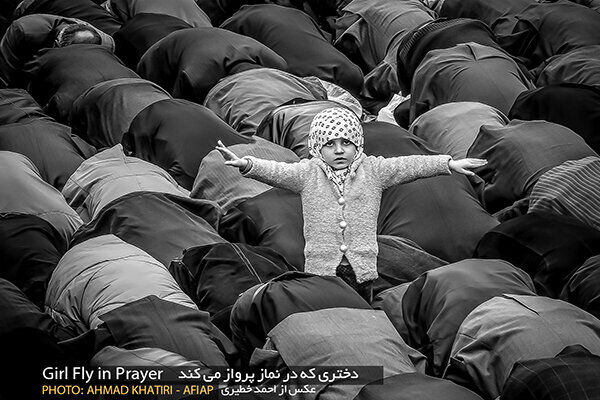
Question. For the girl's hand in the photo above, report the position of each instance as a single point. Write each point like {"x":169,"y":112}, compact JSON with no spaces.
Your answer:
{"x":230,"y":157}
{"x":463,"y":166}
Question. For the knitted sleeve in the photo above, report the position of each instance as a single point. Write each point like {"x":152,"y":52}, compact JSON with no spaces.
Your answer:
{"x":290,"y":176}
{"x":394,"y":170}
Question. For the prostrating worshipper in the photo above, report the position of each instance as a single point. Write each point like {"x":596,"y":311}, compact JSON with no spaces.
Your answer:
{"x":452,"y":128}
{"x":131,"y":301}
{"x":215,"y":275}
{"x":139,"y":34}
{"x":348,"y":250}
{"x":133,"y":217}
{"x":30,"y":338}
{"x":433,"y":306}
{"x":582,"y":289}
{"x":575,"y":106}
{"x":543,"y":30}
{"x":436,"y":35}
{"x":243,"y":100}
{"x":176,"y":135}
{"x":103,"y":114}
{"x":334,"y":328}
{"x":85,"y":10}
{"x":549,"y":247}
{"x":288,"y":125}
{"x":189,"y":62}
{"x":25,"y":192}
{"x":50,"y":146}
{"x":29,"y":34}
{"x":579,"y":66}
{"x":511,"y":328}
{"x":17,"y":106}
{"x":296,"y":37}
{"x":466,"y":72}
{"x":486,"y":11}
{"x":29,"y":249}
{"x":518,"y":154}
{"x":110,"y":174}
{"x":370,"y":32}
{"x":186,"y":10}
{"x":571,"y":374}
{"x":570,"y":188}
{"x":60,"y":75}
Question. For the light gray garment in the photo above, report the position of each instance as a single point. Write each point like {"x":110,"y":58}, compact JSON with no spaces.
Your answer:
{"x":218,"y":182}
{"x":511,"y":328}
{"x":452,"y":128}
{"x":109,"y":175}
{"x":25,"y":192}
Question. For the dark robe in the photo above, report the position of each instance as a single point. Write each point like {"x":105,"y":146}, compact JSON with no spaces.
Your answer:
{"x":85,"y":10}
{"x":487,"y":11}
{"x":186,"y":10}
{"x":176,"y":135}
{"x":215,"y":275}
{"x":133,"y":218}
{"x":575,"y":106}
{"x":188,"y":63}
{"x":139,"y":33}
{"x":17,"y":106}
{"x":60,"y":75}
{"x":518,"y":154}
{"x":439,"y":34}
{"x":29,"y":249}
{"x":49,"y":145}
{"x":104,"y":113}
{"x":583,"y":289}
{"x":299,"y":40}
{"x":580,"y":66}
{"x":548,"y":247}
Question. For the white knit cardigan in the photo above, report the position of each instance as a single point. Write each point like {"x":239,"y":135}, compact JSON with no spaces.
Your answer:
{"x":326,"y":211}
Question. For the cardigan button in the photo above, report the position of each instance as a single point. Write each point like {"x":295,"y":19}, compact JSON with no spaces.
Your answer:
{"x":341,"y":201}
{"x":343,"y":248}
{"x":343,"y":224}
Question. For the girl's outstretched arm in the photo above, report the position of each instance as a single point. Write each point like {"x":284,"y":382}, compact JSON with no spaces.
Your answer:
{"x":291,"y":176}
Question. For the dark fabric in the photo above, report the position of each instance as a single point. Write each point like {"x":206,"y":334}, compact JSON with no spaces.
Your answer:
{"x":85,"y":10}
{"x":347,"y":274}
{"x":578,"y":66}
{"x":571,"y":375}
{"x":545,"y":29}
{"x":583,"y":289}
{"x":261,"y":308}
{"x":214,"y":276}
{"x":436,"y":303}
{"x":153,"y":322}
{"x":272,"y":219}
{"x":298,"y":39}
{"x":439,"y":34}
{"x":104,"y":113}
{"x":483,"y":10}
{"x":17,"y":106}
{"x":49,"y":145}
{"x":441,"y":214}
{"x":415,"y":386}
{"x":139,"y":33}
{"x":18,"y":312}
{"x":186,"y":10}
{"x":575,"y":106}
{"x":7,"y":7}
{"x":176,"y":135}
{"x":60,"y":75}
{"x":548,"y":247}
{"x":134,"y":219}
{"x":189,"y":62}
{"x":518,"y":154}
{"x":29,"y":251}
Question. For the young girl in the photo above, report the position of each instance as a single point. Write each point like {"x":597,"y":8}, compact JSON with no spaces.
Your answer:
{"x":340,"y":189}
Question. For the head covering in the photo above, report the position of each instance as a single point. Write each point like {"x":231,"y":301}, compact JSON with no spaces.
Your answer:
{"x":335,"y":123}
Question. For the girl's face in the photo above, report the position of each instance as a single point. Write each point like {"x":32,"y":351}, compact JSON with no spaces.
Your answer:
{"x":338,"y":153}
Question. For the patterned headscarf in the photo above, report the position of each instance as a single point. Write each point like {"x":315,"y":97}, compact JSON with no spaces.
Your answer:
{"x":335,"y":123}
